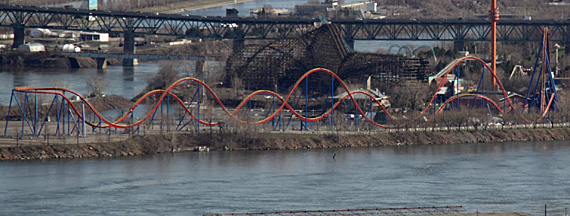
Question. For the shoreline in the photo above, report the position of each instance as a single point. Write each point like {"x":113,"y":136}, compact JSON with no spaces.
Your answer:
{"x":239,"y":141}
{"x":208,"y":6}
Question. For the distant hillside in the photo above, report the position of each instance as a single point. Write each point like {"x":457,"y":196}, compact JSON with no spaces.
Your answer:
{"x":539,"y":9}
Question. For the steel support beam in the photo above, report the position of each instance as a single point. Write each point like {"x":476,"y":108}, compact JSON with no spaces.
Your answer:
{"x":19,"y":36}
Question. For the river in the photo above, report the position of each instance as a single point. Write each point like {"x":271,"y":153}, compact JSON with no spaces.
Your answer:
{"x":492,"y":177}
{"x":124,"y":81}
{"x":243,"y":8}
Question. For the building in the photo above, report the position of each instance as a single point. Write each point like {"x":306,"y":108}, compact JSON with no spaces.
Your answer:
{"x":94,"y":36}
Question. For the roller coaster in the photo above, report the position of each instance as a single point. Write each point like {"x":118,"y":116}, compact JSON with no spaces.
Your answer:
{"x":71,"y":116}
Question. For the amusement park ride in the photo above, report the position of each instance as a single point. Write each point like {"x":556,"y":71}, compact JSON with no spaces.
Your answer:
{"x":71,"y":115}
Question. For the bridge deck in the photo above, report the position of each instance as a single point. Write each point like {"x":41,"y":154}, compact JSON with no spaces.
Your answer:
{"x":241,"y":28}
{"x":139,"y":56}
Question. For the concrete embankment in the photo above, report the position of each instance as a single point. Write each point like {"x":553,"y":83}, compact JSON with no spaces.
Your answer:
{"x":152,"y":144}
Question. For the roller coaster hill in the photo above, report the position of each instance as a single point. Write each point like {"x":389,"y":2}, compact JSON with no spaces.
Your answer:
{"x":316,"y":63}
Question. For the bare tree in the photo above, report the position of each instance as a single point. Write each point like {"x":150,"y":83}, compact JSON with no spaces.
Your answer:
{"x":511,"y":118}
{"x":410,"y":95}
{"x":476,"y":117}
{"x":96,"y":84}
{"x":167,"y":75}
{"x":453,"y":118}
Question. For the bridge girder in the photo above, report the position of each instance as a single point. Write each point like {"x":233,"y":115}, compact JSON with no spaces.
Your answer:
{"x":276,"y":28}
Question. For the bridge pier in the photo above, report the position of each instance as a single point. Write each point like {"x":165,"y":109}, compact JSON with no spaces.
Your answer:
{"x":73,"y":63}
{"x":129,"y":48}
{"x":567,"y":42}
{"x":200,"y":66}
{"x":19,"y":36}
{"x":238,"y":44}
{"x":458,"y":45}
{"x":101,"y":63}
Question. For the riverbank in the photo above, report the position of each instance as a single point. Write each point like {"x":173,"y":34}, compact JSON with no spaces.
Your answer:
{"x":14,"y":60}
{"x":181,"y":7}
{"x":182,"y":142}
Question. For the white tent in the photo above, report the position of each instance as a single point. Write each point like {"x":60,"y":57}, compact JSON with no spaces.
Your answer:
{"x":71,"y":48}
{"x":32,"y":47}
{"x":40,"y":33}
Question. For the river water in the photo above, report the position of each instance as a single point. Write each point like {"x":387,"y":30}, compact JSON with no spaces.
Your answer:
{"x":493,"y":177}
{"x":243,"y":8}
{"x":124,"y":81}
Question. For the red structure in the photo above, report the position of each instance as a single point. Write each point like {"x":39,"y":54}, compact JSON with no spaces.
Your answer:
{"x":494,"y":17}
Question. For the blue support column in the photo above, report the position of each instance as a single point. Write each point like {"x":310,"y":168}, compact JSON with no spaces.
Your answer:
{"x":57,"y":115}
{"x":272,"y":109}
{"x":8,"y":115}
{"x":306,"y":102}
{"x":63,"y":115}
{"x":370,"y":111}
{"x":532,"y":78}
{"x":152,"y":118}
{"x":483,"y":88}
{"x":291,"y":117}
{"x":161,"y":116}
{"x":44,"y":120}
{"x":83,"y":129}
{"x":168,"y":112}
{"x":23,"y":109}
{"x":183,"y":116}
{"x":36,"y":120}
{"x":551,"y":85}
{"x":331,"y":122}
{"x":68,"y":120}
{"x":199,"y":103}
{"x":24,"y":114}
{"x":133,"y":120}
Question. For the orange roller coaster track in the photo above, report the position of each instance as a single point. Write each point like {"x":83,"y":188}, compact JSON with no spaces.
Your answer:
{"x":231,"y":115}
